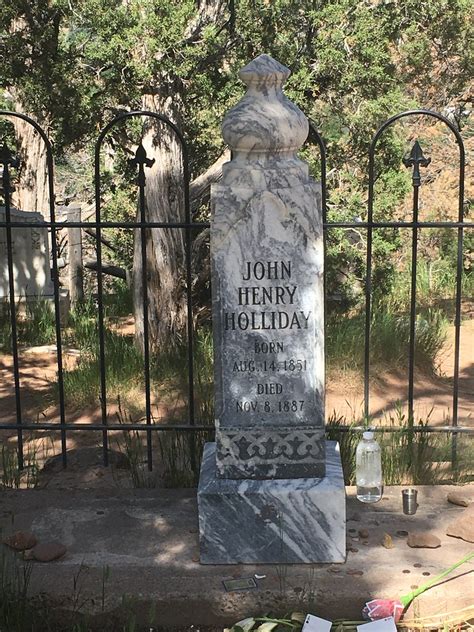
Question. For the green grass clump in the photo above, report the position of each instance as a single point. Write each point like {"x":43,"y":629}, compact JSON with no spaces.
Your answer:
{"x":17,"y":614}
{"x":35,"y":327}
{"x":5,"y":330}
{"x":389,"y":339}
{"x":123,"y":369}
{"x":38,"y":326}
{"x":408,"y":456}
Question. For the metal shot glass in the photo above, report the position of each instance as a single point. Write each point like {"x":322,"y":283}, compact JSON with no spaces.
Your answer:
{"x":410,"y":504}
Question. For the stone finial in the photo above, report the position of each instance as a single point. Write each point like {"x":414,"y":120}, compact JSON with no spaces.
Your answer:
{"x":265,"y":125}
{"x":264,"y":70}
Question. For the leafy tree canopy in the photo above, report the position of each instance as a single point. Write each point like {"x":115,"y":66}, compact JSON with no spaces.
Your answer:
{"x":75,"y":63}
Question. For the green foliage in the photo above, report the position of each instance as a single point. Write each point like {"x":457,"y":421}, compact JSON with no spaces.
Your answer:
{"x":123,"y":366}
{"x":353,"y":65}
{"x":35,"y":327}
{"x":16,"y":613}
{"x":389,"y":339}
{"x":408,"y":457}
{"x":5,"y":329}
{"x":349,"y":60}
{"x":119,"y":303}
{"x":38,"y":326}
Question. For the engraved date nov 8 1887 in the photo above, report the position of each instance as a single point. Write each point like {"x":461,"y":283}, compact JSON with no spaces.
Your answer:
{"x":282,"y":406}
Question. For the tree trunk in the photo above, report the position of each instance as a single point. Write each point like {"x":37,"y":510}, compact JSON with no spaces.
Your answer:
{"x":164,"y":202}
{"x":31,"y":186}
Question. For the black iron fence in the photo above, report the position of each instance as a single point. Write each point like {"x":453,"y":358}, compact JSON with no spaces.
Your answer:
{"x":141,"y":161}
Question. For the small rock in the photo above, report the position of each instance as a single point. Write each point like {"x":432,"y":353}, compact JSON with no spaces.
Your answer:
{"x":423,"y":540}
{"x":21,"y":540}
{"x":48,"y":551}
{"x":402,"y":533}
{"x":463,"y":527}
{"x":406,"y":571}
{"x":387,"y":541}
{"x":457,"y":498}
{"x":352,"y":549}
{"x":353,"y":571}
{"x":334,"y":570}
{"x":363,"y":533}
{"x":426,"y":573}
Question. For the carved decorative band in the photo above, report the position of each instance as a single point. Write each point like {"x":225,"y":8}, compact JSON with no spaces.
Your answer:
{"x":285,"y":445}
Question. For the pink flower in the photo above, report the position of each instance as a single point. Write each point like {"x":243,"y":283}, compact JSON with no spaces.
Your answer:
{"x":382,"y":608}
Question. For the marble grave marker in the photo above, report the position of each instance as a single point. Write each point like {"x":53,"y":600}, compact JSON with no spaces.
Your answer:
{"x":30,"y":249}
{"x":269,"y":460}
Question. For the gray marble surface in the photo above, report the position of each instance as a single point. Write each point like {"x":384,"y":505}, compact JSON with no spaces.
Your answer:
{"x":272,"y":521}
{"x":267,"y":283}
{"x":30,"y":249}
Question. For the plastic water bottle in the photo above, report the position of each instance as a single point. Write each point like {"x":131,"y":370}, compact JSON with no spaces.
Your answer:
{"x":369,"y":469}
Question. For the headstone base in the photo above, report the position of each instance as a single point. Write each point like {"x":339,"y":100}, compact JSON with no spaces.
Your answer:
{"x":282,"y":521}
{"x":22,"y":303}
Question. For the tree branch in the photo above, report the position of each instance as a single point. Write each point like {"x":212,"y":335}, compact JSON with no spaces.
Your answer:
{"x":199,"y":188}
{"x":106,"y":242}
{"x":115,"y":271}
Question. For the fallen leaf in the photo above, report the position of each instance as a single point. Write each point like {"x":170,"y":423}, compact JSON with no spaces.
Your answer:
{"x":387,"y":541}
{"x":246,"y":625}
{"x":298,"y":616}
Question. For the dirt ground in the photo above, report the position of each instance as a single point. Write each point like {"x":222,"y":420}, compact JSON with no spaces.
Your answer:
{"x":433,"y":393}
{"x":344,"y":396}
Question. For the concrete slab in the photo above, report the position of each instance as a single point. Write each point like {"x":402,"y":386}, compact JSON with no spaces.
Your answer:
{"x":144,"y":544}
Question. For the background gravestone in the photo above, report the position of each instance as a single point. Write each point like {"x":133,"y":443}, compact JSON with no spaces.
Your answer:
{"x":31,"y":266}
{"x":271,"y":489}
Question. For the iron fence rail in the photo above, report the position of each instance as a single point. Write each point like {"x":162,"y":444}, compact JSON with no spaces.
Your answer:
{"x":187,"y":225}
{"x":185,"y":427}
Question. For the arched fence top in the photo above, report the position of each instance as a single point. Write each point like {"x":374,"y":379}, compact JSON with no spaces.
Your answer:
{"x":33,"y":123}
{"x":49,"y":154}
{"x":419,"y":112}
{"x":143,"y":114}
{"x":157,"y":117}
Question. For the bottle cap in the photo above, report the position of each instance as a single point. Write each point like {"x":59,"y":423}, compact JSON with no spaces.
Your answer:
{"x":368,"y":435}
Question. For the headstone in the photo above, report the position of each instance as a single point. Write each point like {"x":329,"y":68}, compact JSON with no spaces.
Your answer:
{"x":76,"y":267}
{"x":30,"y":249}
{"x":269,"y":490}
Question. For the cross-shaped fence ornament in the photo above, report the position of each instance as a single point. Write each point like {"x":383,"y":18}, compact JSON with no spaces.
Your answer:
{"x":141,"y":160}
{"x":416,"y":159}
{"x":7,"y":160}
